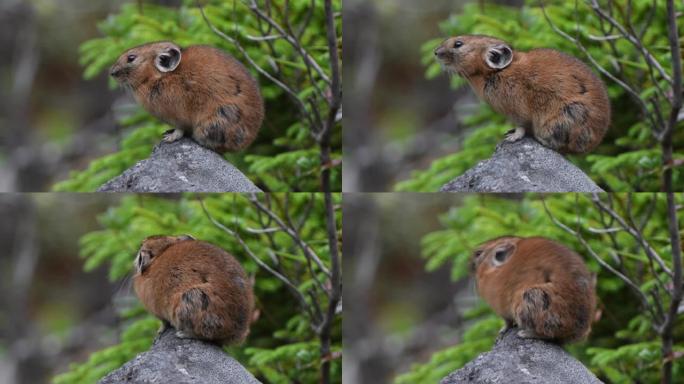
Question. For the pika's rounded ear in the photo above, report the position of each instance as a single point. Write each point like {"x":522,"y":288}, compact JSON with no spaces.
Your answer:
{"x":502,"y":253}
{"x":498,"y":56}
{"x":185,"y":237}
{"x":168,"y":59}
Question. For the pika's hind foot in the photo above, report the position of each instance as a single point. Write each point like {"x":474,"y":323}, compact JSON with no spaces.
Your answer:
{"x":515,"y":134}
{"x":172,"y":135}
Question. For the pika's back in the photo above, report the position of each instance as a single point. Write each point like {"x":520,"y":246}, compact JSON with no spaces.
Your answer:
{"x":209,"y":72}
{"x":565,"y":80}
{"x":197,"y":287}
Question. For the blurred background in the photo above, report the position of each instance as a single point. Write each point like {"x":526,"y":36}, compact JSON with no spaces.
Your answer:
{"x":396,"y":120}
{"x":51,"y":119}
{"x":52,"y":313}
{"x":396,"y":313}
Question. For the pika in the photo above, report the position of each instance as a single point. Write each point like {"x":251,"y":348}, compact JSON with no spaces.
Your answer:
{"x":537,"y":284}
{"x":194,"y":286}
{"x":203,"y":92}
{"x":549,"y":95}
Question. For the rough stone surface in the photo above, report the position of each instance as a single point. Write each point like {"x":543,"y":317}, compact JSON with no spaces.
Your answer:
{"x":181,"y":361}
{"x":523,"y":361}
{"x":523,"y":166}
{"x":181,"y":166}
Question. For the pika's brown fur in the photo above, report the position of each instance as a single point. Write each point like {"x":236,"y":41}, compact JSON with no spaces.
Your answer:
{"x":538,"y":284}
{"x":196,"y":287}
{"x":202,"y":91}
{"x":550,"y":95}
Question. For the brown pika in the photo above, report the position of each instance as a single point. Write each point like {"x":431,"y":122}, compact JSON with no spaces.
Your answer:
{"x":537,"y":284}
{"x":549,"y":95}
{"x":203,"y":92}
{"x":196,"y":287}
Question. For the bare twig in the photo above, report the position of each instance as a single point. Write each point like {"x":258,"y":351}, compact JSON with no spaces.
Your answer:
{"x":638,"y":235}
{"x":335,"y":97}
{"x":650,"y":59}
{"x":306,"y":248}
{"x":290,"y":39}
{"x":331,"y":225}
{"x":673,"y":223}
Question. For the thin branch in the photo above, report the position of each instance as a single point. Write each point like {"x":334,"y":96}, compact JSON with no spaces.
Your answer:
{"x":637,"y":235}
{"x":290,"y":39}
{"x":335,"y":296}
{"x":673,"y":223}
{"x":291,"y":232}
{"x":599,"y":231}
{"x":256,"y":231}
{"x":603,"y":38}
{"x":632,"y":39}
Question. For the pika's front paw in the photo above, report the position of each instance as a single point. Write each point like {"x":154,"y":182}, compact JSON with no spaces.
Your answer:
{"x":183,"y":335}
{"x":515,"y":134}
{"x":172,"y":135}
{"x":164,"y":326}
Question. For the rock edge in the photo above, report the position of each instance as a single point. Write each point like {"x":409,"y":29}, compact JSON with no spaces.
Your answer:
{"x":182,"y":361}
{"x":523,"y":166}
{"x":181,"y":166}
{"x":530,"y":361}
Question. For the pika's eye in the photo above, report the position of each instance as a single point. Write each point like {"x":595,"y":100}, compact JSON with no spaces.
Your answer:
{"x":130,"y":58}
{"x":458,"y":43}
{"x":476,"y":255}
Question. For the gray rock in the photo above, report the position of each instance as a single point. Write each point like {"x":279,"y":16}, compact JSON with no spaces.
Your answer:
{"x":181,"y":166}
{"x":516,"y":361}
{"x":523,"y":166}
{"x":181,"y":361}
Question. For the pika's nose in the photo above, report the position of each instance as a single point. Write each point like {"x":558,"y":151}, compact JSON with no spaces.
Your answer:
{"x":114,"y":72}
{"x":440,"y":51}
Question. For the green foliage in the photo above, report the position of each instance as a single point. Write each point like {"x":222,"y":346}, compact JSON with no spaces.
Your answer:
{"x":285,"y":156}
{"x":629,"y":159}
{"x":478,"y":145}
{"x":137,"y":145}
{"x":477,"y":339}
{"x":623,"y":346}
{"x":135,"y":339}
{"x":282,"y":346}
